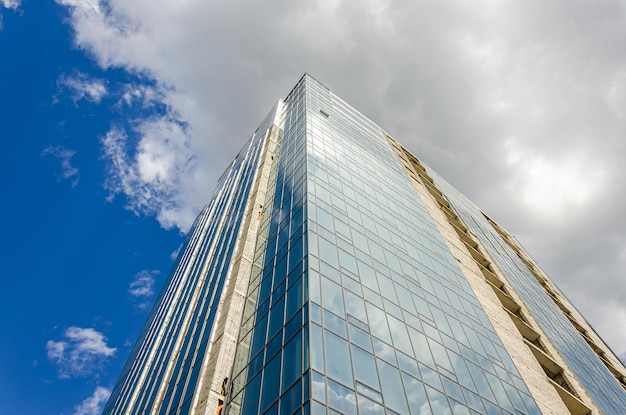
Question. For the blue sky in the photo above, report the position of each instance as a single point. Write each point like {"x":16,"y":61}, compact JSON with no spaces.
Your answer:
{"x":79,"y":268}
{"x":118,"y":116}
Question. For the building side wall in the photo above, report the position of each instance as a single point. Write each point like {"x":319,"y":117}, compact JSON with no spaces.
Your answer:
{"x":547,"y":398}
{"x":221,"y":351}
{"x":584,"y":373}
{"x":569,"y":311}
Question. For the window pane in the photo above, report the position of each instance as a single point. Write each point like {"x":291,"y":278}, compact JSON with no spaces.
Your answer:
{"x":367,"y":407}
{"x":355,"y":306}
{"x":292,"y":361}
{"x":334,"y":323}
{"x":438,"y":401}
{"x":361,"y":338}
{"x":416,"y":394}
{"x":319,"y":387}
{"x":292,"y":399}
{"x":271,"y":374}
{"x":294,"y":298}
{"x":251,"y":398}
{"x":338,"y":364}
{"x":277,"y":319}
{"x":341,"y":398}
{"x":365,"y":367}
{"x":378,"y":323}
{"x":332,"y":298}
{"x":317,"y":348}
{"x":392,"y":387}
{"x":400,"y":336}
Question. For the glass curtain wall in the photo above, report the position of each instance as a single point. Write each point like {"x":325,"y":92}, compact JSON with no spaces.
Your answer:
{"x":357,"y":306}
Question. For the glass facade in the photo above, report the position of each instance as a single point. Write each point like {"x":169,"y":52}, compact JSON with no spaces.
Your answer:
{"x":354,"y":302}
{"x":382,"y":320}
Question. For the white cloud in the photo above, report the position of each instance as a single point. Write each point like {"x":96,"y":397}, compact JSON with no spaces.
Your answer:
{"x":175,"y":253}
{"x":616,"y":96}
{"x":56,"y":350}
{"x":154,"y":172}
{"x":81,"y":353}
{"x":68,"y":172}
{"x":142,"y":284}
{"x":94,"y":404}
{"x":10,"y":4}
{"x":142,"y":288}
{"x":81,"y":86}
{"x":453,"y":81}
{"x":146,"y":95}
{"x":550,"y":187}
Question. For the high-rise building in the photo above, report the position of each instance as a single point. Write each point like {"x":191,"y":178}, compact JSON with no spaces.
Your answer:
{"x":333,"y":272}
